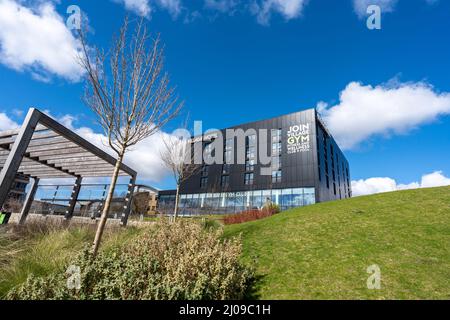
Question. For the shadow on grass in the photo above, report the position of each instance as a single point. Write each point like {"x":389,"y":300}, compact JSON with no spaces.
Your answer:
{"x":252,"y":292}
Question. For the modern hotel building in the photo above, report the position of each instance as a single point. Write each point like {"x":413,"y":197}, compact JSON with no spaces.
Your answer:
{"x":306,"y":167}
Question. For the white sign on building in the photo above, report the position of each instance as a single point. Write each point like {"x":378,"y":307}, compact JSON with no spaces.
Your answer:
{"x":298,"y":139}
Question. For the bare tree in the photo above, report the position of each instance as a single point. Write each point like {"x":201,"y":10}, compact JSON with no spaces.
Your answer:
{"x":177,"y":157}
{"x":129,"y":92}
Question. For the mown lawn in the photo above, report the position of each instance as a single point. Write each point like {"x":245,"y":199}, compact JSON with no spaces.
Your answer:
{"x":323,"y":251}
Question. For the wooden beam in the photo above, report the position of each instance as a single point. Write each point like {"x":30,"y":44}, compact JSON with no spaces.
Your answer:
{"x":57,"y":153}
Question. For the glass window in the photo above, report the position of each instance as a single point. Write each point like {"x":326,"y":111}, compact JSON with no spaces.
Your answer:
{"x":250,"y":165}
{"x":225,"y":181}
{"x":195,"y":201}
{"x":276,"y":196}
{"x":276,"y":162}
{"x":183,"y":200}
{"x":309,"y":196}
{"x":251,"y":140}
{"x":266,"y":196}
{"x":208,"y":153}
{"x":286,"y":198}
{"x":276,"y":148}
{"x":228,"y":156}
{"x":276,"y":176}
{"x":276,"y":135}
{"x":250,"y":153}
{"x":240,"y":201}
{"x":248,"y":180}
{"x":229,"y":144}
{"x":203,"y":182}
{"x":202,"y":197}
{"x":226,"y":168}
{"x":215,"y":200}
{"x":297,"y":197}
{"x":204,"y":171}
{"x":257,"y":200}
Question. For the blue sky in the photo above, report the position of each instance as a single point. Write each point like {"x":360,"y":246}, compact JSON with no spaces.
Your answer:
{"x":239,"y":61}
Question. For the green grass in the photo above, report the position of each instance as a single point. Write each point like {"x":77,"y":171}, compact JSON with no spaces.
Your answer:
{"x":323,"y":251}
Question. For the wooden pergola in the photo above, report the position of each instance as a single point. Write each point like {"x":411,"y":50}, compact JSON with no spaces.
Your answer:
{"x":42,"y":148}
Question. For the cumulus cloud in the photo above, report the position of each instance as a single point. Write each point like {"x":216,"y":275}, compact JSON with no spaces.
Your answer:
{"x":387,"y":6}
{"x":360,"y":6}
{"x":379,"y":185}
{"x":144,"y":157}
{"x":145,"y":8}
{"x":365,"y":111}
{"x":289,"y":9}
{"x":6,"y":123}
{"x":37,"y":40}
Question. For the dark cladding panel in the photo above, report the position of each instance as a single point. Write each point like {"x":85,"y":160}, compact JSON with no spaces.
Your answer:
{"x":300,"y":165}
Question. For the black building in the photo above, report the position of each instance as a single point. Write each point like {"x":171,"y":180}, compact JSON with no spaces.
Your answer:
{"x":306,"y":167}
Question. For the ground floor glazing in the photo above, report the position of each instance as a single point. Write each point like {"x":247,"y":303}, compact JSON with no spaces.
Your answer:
{"x":234,"y":202}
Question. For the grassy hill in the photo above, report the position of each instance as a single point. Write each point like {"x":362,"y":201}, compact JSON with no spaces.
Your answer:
{"x":323,"y":251}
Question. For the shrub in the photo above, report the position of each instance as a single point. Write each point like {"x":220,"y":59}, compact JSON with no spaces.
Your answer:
{"x":165,"y":261}
{"x":251,"y":215}
{"x":272,"y":207}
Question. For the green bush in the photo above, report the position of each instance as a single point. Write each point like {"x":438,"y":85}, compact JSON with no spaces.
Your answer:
{"x":166,"y":261}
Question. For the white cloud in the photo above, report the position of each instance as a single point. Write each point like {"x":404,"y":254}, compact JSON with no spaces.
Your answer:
{"x":37,"y":40}
{"x":435,"y":179}
{"x":394,"y":108}
{"x":144,"y":157}
{"x":289,"y":9}
{"x":145,"y":8}
{"x":360,"y":6}
{"x":140,"y":7}
{"x":221,"y":5}
{"x":6,"y":123}
{"x":373,"y":185}
{"x":379,"y":185}
{"x":387,"y":6}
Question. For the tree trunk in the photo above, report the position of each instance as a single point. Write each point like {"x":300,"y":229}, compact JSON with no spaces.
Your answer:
{"x":177,"y":201}
{"x":105,"y":212}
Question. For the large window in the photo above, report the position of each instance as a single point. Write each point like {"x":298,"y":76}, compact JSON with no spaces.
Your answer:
{"x":276,"y":135}
{"x":203,"y":182}
{"x":250,"y":165}
{"x":276,"y":162}
{"x":276,"y":176}
{"x":204,"y":171}
{"x":226,"y":168}
{"x":208,"y":153}
{"x":225,"y":181}
{"x":257,"y":199}
{"x":276,"y":149}
{"x":309,"y":196}
{"x":231,"y":202}
{"x":228,"y":152}
{"x":248,"y":179}
{"x":297,"y":197}
{"x":251,"y":140}
{"x":250,"y":153}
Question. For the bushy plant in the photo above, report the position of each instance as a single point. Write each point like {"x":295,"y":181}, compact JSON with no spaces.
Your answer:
{"x":272,"y":207}
{"x":251,"y":215}
{"x":166,"y":261}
